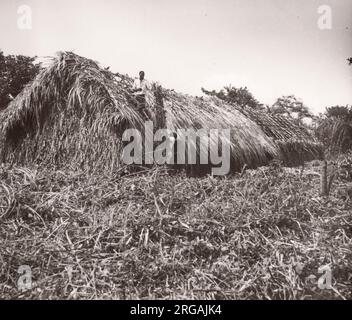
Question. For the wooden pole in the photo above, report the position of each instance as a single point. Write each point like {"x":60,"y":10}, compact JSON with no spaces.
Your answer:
{"x":324,"y":179}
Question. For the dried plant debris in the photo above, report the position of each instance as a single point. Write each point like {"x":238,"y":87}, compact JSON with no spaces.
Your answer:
{"x":264,"y":234}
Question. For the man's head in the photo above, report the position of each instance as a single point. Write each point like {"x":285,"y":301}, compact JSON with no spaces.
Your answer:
{"x":141,"y":75}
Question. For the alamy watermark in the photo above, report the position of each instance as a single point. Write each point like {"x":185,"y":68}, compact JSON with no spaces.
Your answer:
{"x":325,"y":280}
{"x":325,"y":17}
{"x":24,"y":281}
{"x":182,"y":146}
{"x":24,"y":20}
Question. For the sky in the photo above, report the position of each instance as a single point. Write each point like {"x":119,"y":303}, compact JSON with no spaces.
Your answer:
{"x":273,"y":47}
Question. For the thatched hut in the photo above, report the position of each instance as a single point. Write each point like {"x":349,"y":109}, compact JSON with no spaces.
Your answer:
{"x":294,"y":142}
{"x":74,"y":113}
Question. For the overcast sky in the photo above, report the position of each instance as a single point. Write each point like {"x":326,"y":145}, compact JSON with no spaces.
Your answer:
{"x":274,"y":47}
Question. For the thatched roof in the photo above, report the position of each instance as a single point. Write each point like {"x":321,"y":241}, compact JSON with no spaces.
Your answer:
{"x":250,"y":146}
{"x":295,"y":142}
{"x":74,"y":114}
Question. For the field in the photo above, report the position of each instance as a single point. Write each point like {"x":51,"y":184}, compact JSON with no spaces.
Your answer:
{"x":259,"y":234}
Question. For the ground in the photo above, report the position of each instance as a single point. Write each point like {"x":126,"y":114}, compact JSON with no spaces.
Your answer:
{"x":261,"y":234}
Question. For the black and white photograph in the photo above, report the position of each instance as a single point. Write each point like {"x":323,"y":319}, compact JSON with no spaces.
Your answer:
{"x":191,"y":151}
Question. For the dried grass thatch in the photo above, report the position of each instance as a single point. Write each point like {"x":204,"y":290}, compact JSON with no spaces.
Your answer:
{"x":294,"y":142}
{"x":250,"y":147}
{"x":74,"y":113}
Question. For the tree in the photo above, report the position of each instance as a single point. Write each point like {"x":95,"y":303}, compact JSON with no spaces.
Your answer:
{"x":290,"y":106}
{"x":293,"y":108}
{"x":238,"y":96}
{"x":339,"y":112}
{"x":15,"y":72}
{"x":335,"y":128}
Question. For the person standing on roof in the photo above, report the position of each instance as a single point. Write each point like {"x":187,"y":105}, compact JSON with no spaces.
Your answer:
{"x":140,"y":89}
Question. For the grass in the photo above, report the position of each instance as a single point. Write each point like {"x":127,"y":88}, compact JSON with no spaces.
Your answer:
{"x":155,"y":235}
